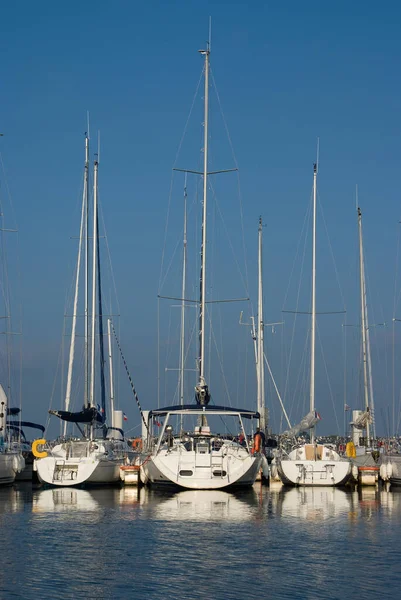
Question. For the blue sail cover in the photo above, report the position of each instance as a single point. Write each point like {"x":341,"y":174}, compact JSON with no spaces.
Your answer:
{"x":87,"y":415}
{"x":11,"y":412}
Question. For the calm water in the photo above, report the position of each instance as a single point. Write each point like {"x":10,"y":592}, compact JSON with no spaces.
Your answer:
{"x":118,"y":543}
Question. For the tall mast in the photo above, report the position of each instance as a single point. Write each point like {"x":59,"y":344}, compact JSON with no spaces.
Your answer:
{"x":86,"y":309}
{"x":260,"y":354}
{"x":202,"y":392}
{"x":363,"y":321}
{"x":313,"y":319}
{"x":94,"y":253}
{"x":183,"y":292}
{"x":75,"y":306}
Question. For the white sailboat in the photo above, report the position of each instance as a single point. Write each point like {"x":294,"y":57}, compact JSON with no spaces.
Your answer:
{"x":11,"y":460}
{"x":94,"y":458}
{"x":312,"y":464}
{"x":198,"y":458}
{"x":364,"y":464}
{"x":258,"y":337}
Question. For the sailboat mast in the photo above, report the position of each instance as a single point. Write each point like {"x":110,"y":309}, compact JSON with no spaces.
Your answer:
{"x":313,"y":319}
{"x":261,"y":370}
{"x":86,"y":309}
{"x":75,"y":306}
{"x":183,"y":292}
{"x":94,"y":254}
{"x":202,"y":392}
{"x":363,"y":321}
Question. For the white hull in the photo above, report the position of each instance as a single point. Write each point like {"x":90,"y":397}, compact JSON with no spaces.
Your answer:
{"x":390,"y":470}
{"x":59,"y":472}
{"x":208,"y":472}
{"x":74,"y":464}
{"x":326,"y":468}
{"x":11,"y":463}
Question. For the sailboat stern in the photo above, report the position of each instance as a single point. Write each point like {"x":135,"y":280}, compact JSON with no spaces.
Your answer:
{"x":313,"y":465}
{"x":208,"y":471}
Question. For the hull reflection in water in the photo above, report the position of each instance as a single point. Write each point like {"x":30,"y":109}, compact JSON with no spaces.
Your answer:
{"x":203,"y":505}
{"x":315,"y":503}
{"x":63,"y":499}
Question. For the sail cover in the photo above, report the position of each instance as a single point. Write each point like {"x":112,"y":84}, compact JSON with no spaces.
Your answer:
{"x":87,"y":415}
{"x":20,"y":424}
{"x":305,"y":424}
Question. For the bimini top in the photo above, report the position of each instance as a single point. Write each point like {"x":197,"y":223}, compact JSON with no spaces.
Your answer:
{"x":195,"y":409}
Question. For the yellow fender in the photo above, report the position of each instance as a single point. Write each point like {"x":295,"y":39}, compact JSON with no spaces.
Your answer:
{"x":350,"y":450}
{"x":35,"y":450}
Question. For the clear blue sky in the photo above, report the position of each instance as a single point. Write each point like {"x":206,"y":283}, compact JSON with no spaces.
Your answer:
{"x":287,"y":73}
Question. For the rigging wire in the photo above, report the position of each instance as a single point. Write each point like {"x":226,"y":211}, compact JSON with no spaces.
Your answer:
{"x":19,"y":277}
{"x":395,"y":304}
{"x":172,"y":178}
{"x":328,"y":378}
{"x":303,"y":234}
{"x":129,"y":378}
{"x":239,"y":184}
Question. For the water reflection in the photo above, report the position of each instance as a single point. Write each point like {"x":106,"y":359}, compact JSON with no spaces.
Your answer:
{"x":12,"y":499}
{"x":201,"y":505}
{"x":63,"y":499}
{"x":311,"y":504}
{"x":314,"y":503}
{"x":124,"y":542}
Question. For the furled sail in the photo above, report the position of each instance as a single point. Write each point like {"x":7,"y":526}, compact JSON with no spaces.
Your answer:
{"x":87,"y":415}
{"x":305,"y":424}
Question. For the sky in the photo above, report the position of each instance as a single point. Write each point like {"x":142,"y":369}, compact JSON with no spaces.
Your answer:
{"x":287,"y":74}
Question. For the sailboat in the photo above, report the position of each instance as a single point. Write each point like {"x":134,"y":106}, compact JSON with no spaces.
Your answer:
{"x":312,"y":464}
{"x":198,"y":458}
{"x":365,"y":465}
{"x":258,"y":336}
{"x":18,"y":441}
{"x":11,"y":459}
{"x":94,"y":458}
